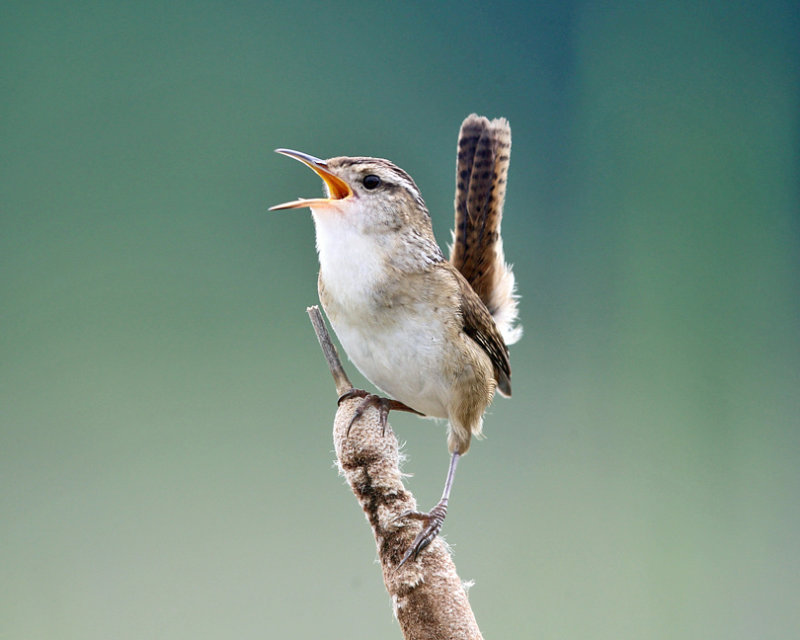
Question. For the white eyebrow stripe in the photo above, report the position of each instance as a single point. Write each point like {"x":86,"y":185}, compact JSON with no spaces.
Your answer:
{"x":381,"y":165}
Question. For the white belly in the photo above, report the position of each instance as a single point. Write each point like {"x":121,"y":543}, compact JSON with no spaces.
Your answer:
{"x":402,"y":357}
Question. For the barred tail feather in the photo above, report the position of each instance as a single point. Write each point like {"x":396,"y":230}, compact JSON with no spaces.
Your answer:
{"x":484,"y":149}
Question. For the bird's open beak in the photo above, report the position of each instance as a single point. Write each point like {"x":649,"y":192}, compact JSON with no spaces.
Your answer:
{"x":337,"y":188}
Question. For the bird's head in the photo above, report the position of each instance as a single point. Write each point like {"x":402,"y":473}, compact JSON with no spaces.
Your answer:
{"x":372,"y":194}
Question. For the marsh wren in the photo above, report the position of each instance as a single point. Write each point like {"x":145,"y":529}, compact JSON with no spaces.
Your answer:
{"x":429,"y":332}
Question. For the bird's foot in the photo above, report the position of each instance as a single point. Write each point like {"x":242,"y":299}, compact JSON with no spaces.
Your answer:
{"x":433,"y":520}
{"x":384,"y":406}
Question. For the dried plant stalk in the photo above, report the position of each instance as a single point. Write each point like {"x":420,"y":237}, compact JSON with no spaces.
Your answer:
{"x":429,"y":600}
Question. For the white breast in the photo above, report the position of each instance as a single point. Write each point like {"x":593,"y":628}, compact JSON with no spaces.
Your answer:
{"x":399,"y":349}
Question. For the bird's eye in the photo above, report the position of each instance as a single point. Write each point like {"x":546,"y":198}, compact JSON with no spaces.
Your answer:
{"x":371,"y":182}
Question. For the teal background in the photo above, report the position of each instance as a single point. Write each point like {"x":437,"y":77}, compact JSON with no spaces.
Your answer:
{"x":165,"y":412}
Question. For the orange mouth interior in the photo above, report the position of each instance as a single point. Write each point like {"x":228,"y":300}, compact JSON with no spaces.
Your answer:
{"x":337,"y":188}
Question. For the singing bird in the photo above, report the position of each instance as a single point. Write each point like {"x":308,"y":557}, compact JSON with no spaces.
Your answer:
{"x":429,"y":332}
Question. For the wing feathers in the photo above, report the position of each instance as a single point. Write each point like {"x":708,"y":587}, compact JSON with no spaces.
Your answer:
{"x":479,"y":326}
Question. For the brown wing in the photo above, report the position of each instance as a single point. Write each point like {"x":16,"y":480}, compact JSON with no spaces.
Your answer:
{"x":484,"y":149}
{"x":479,"y":325}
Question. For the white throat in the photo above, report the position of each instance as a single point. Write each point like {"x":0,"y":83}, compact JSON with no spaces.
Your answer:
{"x":347,"y":255}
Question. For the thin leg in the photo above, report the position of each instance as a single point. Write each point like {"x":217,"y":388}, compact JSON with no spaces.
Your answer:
{"x":434,"y":519}
{"x":384,"y":405}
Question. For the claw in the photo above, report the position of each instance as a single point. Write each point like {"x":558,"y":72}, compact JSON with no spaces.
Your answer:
{"x":384,"y":405}
{"x":434,"y":520}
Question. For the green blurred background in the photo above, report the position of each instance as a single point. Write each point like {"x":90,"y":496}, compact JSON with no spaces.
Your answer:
{"x":165,"y":412}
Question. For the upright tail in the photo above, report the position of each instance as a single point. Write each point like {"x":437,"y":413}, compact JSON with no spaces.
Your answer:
{"x":484,"y":149}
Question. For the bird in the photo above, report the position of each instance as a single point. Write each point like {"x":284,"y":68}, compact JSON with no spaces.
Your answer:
{"x":430,"y":332}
